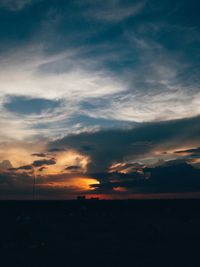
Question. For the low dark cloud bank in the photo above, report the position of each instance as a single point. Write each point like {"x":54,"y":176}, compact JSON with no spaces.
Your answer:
{"x":111,"y":146}
{"x":40,"y":155}
{"x":41,"y":164}
{"x":173,"y":177}
{"x":73,"y":168}
{"x":44,"y":162}
{"x":193,"y":152}
{"x":108,"y":146}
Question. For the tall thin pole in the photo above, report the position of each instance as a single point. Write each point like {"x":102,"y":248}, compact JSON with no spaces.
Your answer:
{"x":34,"y":182}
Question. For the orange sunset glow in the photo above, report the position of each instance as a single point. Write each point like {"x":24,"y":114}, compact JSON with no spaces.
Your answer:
{"x":80,"y":183}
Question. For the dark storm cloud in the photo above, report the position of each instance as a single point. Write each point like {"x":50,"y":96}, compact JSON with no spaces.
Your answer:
{"x":117,"y":145}
{"x":40,"y":163}
{"x":42,"y":169}
{"x":171,"y":177}
{"x":115,"y":179}
{"x":86,"y":148}
{"x":73,"y":168}
{"x":189,"y":151}
{"x":24,"y":168}
{"x":40,"y":155}
{"x":177,"y":177}
{"x":37,"y":163}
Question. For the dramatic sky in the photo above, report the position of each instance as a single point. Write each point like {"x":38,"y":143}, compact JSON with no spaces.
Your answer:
{"x":99,"y":98}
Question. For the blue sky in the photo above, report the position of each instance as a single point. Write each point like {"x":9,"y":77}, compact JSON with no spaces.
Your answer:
{"x":128,"y":61}
{"x":83,"y":66}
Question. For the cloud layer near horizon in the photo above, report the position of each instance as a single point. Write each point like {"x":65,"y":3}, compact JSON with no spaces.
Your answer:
{"x":111,"y":146}
{"x":152,"y":158}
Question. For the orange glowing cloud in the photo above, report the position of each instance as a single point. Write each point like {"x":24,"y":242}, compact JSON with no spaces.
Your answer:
{"x":19,"y":153}
{"x":125,"y":167}
{"x":65,"y":159}
{"x":79,"y":183}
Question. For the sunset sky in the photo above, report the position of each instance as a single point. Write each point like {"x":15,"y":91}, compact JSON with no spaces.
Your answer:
{"x":99,"y":98}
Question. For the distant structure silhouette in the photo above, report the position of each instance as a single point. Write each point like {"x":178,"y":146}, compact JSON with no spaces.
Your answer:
{"x":34,"y":183}
{"x":81,"y":198}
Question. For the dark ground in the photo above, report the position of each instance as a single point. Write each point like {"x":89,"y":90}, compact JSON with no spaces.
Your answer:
{"x":100,"y":233}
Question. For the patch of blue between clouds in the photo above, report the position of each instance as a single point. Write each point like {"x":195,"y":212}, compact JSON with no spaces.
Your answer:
{"x":26,"y":106}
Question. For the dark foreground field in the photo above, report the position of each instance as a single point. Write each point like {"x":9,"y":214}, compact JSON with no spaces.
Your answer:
{"x":100,"y":233}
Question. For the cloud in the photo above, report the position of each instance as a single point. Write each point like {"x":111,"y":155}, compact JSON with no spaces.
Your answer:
{"x":73,"y":168}
{"x":25,"y":168}
{"x":15,"y":5}
{"x":112,"y":11}
{"x":104,"y":76}
{"x":42,"y":169}
{"x":188,"y":151}
{"x":5,"y":165}
{"x":112,"y":146}
{"x":125,"y":167}
{"x":113,"y":168}
{"x":41,"y":164}
{"x":20,"y":153}
{"x":178,"y":177}
{"x":45,"y":162}
{"x":40,"y":155}
{"x":30,"y":85}
{"x":173,"y":177}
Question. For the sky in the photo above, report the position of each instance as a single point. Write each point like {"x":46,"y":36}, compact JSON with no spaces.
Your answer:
{"x":99,"y":98}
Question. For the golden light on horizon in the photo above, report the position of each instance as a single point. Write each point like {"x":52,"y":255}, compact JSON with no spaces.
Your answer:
{"x":80,"y":183}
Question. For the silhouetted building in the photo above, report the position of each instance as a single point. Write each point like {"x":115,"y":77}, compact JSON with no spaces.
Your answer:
{"x":81,"y":198}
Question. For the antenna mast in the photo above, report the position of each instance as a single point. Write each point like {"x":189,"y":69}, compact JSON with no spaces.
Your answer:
{"x":34,"y":182}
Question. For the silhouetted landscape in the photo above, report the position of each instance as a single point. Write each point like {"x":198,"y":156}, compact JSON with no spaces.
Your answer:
{"x":100,"y":233}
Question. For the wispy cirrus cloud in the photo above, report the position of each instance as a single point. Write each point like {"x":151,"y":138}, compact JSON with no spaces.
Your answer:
{"x":112,"y":11}
{"x":155,"y":90}
{"x":15,"y":5}
{"x":30,"y":84}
